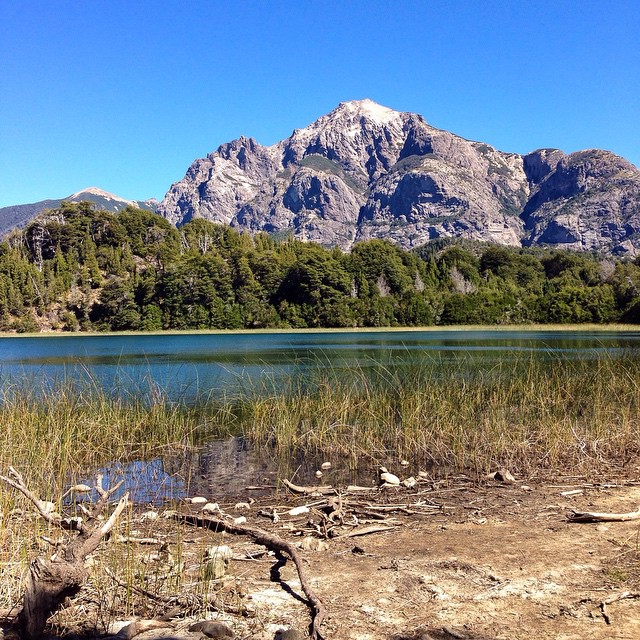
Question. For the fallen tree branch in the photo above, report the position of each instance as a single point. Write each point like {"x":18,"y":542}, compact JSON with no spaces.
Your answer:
{"x":365,"y":531}
{"x":275,"y":543}
{"x":593,"y":516}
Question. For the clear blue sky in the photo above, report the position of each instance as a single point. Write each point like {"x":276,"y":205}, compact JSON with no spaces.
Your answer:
{"x":124,"y":95}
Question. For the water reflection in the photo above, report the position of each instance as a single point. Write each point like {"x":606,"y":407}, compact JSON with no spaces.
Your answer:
{"x":146,"y":481}
{"x":222,"y":469}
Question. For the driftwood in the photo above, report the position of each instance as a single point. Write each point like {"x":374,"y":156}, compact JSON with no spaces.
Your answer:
{"x":593,"y":516}
{"x":602,"y":605}
{"x":309,"y":491}
{"x":50,"y":582}
{"x":277,"y":544}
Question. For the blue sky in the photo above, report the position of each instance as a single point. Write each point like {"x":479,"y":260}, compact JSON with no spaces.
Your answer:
{"x":124,"y":95}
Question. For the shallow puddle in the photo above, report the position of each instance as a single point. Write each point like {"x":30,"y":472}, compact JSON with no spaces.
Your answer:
{"x":222,"y":469}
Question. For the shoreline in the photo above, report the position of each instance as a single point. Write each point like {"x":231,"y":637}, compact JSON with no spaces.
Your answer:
{"x":576,"y":328}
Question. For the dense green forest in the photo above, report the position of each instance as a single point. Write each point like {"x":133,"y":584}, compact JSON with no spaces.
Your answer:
{"x":75,"y":268}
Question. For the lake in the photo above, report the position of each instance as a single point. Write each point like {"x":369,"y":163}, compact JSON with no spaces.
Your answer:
{"x":191,"y":367}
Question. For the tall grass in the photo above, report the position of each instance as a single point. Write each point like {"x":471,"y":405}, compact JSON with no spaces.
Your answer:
{"x":525,"y":413}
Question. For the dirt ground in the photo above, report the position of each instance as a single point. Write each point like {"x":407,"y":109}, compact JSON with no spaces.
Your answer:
{"x":459,"y":559}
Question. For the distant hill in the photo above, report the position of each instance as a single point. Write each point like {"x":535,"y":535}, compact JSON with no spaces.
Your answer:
{"x":19,"y":215}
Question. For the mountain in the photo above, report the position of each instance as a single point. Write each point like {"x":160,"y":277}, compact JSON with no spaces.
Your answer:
{"x":367,"y":171}
{"x":19,"y":215}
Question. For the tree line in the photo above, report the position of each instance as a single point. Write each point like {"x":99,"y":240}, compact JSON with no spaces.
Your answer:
{"x":77,"y":268}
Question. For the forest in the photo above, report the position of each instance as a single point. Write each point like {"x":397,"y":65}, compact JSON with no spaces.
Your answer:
{"x":75,"y":268}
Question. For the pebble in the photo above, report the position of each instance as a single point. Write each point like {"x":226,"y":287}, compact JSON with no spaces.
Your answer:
{"x":217,"y":559}
{"x":46,"y":506}
{"x":219,"y":551}
{"x":239,"y":521}
{"x":297,"y":511}
{"x":318,"y":474}
{"x":404,"y":463}
{"x":409,"y":482}
{"x":198,"y":500}
{"x":325,"y":466}
{"x":212,"y":629}
{"x":242,"y":505}
{"x":211,"y":507}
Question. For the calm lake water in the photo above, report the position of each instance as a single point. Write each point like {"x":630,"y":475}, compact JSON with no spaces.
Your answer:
{"x":188,"y":367}
{"x":192,"y":367}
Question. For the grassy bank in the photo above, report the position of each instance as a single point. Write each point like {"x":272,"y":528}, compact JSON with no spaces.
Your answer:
{"x":525,"y":414}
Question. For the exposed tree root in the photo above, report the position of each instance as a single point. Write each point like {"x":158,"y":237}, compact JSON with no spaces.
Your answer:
{"x":277,"y":544}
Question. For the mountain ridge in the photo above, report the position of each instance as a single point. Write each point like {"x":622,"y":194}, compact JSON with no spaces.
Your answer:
{"x":366,"y":171}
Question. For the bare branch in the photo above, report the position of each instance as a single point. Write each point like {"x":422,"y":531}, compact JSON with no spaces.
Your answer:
{"x":592,"y":516}
{"x":45,"y":509}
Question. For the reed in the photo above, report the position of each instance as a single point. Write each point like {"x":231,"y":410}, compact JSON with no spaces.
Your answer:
{"x":527,"y":414}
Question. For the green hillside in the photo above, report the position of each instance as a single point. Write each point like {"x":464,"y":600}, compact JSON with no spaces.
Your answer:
{"x":77,"y":268}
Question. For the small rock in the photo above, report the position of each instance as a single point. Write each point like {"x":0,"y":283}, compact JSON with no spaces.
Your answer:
{"x":197,"y":500}
{"x":409,"y":482}
{"x":289,"y":634}
{"x":308,"y":543}
{"x":46,"y":506}
{"x":242,"y":505}
{"x":318,"y":474}
{"x":221,"y":550}
{"x":217,"y":561}
{"x":297,"y":511}
{"x":239,"y":521}
{"x":149,"y":515}
{"x":212,"y":629}
{"x":504,"y":475}
{"x":211,"y":507}
{"x":404,"y":463}
{"x":423,"y":474}
{"x":325,"y":466}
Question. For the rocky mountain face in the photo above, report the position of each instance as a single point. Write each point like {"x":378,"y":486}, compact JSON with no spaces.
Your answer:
{"x":19,"y":215}
{"x":366,"y":171}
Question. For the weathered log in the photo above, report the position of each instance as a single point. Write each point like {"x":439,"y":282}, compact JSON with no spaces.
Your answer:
{"x":50,"y":582}
{"x":309,"y":491}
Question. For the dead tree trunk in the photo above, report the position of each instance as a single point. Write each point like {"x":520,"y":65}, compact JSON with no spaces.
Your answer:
{"x":50,"y":582}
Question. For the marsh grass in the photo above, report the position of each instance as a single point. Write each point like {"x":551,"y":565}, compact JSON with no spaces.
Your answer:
{"x":527,"y":413}
{"x":523,"y":411}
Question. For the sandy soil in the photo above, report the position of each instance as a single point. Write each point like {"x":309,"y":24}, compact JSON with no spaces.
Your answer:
{"x":496,"y":561}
